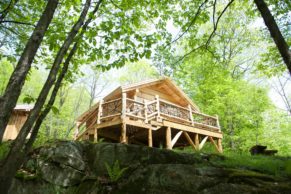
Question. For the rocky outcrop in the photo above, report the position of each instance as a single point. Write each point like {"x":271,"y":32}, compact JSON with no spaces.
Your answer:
{"x":80,"y":167}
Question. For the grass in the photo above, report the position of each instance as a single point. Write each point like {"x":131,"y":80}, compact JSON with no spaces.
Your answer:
{"x":271,"y":165}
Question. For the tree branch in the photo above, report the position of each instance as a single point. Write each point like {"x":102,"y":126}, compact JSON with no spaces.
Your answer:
{"x":275,"y":32}
{"x":4,"y":13}
{"x":209,"y":38}
{"x":17,"y":22}
{"x":191,"y":23}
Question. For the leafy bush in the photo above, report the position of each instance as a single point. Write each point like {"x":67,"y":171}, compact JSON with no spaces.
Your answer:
{"x":114,"y":171}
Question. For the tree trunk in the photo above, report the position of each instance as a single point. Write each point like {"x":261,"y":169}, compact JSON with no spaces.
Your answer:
{"x":275,"y":32}
{"x":51,"y":100}
{"x":17,"y":153}
{"x":17,"y":79}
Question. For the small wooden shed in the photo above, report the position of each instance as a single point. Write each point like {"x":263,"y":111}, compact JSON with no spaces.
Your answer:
{"x":156,"y":113}
{"x":16,"y":121}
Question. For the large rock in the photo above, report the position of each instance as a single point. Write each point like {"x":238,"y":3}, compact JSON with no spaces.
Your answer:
{"x":79,"y":168}
{"x":133,"y":156}
{"x":62,"y":164}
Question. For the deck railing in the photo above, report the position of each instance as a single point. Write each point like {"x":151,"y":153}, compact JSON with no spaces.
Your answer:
{"x":149,"y":110}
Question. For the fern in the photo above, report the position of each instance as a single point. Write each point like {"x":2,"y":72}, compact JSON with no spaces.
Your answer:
{"x":114,"y":171}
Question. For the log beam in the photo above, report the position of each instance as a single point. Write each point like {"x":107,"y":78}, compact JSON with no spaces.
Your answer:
{"x":215,"y":145}
{"x":96,"y":135}
{"x":219,"y":143}
{"x":189,"y":140}
{"x":150,"y":137}
{"x":168,"y":138}
{"x":203,"y":142}
{"x":175,"y":139}
{"x":123,"y":138}
{"x":196,"y":141}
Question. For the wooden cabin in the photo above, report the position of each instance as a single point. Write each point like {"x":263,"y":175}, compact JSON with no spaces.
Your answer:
{"x":156,"y":113}
{"x":16,"y":121}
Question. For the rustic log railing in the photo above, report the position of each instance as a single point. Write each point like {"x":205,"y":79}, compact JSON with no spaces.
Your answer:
{"x":149,"y":110}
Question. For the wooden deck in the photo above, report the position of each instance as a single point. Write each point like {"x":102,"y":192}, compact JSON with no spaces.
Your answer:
{"x":156,"y":123}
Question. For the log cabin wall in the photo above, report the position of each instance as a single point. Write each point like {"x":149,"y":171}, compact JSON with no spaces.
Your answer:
{"x":15,"y":123}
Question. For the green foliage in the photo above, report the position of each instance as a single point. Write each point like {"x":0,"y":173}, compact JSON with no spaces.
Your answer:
{"x":6,"y":69}
{"x":115,"y":172}
{"x":4,"y":148}
{"x":136,"y":72}
{"x":272,"y":165}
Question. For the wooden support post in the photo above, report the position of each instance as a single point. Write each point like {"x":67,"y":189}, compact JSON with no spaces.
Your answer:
{"x":215,"y":145}
{"x":145,"y":111}
{"x":219,"y":143}
{"x":175,"y":139}
{"x":203,"y":142}
{"x":123,"y":138}
{"x":168,"y":138}
{"x":191,"y":115}
{"x":123,"y":114}
{"x":150,"y":137}
{"x":189,"y":140}
{"x":196,"y":141}
{"x":99,"y":114}
{"x":158,"y":106}
{"x":96,"y":135}
{"x":77,"y":130}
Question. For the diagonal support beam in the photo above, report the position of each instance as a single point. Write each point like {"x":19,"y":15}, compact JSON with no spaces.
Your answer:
{"x":189,"y":140}
{"x":203,"y":142}
{"x":175,"y":139}
{"x":213,"y":142}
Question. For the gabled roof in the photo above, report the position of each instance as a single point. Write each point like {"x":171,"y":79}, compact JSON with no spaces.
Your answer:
{"x":129,"y":87}
{"x":177,"y":91}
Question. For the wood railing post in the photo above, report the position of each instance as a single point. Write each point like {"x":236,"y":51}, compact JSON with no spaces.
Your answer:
{"x":191,"y":115}
{"x":158,"y":106}
{"x":168,"y":138}
{"x":123,"y":113}
{"x":145,"y":111}
{"x":99,"y":111}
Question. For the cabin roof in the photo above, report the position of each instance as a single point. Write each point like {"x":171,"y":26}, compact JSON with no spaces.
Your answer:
{"x":177,"y":91}
{"x":23,"y":107}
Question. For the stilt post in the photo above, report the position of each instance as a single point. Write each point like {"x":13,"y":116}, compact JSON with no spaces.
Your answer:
{"x":150,"y":137}
{"x":123,"y":138}
{"x":168,"y":138}
{"x":196,"y":141}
